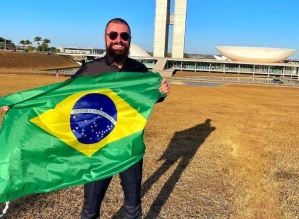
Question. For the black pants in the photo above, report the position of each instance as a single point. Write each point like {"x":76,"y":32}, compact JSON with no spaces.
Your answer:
{"x":131,"y":184}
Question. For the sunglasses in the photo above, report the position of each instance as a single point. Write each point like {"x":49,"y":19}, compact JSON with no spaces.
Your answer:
{"x":113,"y":35}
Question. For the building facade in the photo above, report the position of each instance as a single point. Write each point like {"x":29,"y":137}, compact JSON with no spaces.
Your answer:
{"x":163,"y":19}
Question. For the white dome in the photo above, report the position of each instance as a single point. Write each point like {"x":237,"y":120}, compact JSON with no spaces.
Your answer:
{"x":138,"y":51}
{"x":255,"y":54}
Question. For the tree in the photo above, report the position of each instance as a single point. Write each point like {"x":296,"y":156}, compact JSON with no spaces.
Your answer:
{"x":53,"y":49}
{"x":37,"y":39}
{"x":46,"y":44}
{"x":27,"y":42}
{"x":22,"y":42}
{"x":6,"y":44}
{"x":2,"y":43}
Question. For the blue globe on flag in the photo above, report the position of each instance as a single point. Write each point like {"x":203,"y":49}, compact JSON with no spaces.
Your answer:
{"x":93,"y":117}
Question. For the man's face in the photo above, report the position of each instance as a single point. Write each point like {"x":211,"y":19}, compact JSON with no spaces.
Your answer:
{"x":117,"y":48}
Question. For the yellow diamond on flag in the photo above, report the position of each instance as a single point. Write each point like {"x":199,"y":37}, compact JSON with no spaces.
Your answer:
{"x":89,"y":120}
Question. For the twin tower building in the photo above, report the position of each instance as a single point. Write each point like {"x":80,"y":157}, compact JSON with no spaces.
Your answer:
{"x":162,"y":21}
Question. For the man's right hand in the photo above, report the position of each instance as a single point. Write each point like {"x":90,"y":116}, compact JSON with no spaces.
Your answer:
{"x":5,"y":108}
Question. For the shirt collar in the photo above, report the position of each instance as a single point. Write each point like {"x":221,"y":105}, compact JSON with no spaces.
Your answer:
{"x":108,"y":60}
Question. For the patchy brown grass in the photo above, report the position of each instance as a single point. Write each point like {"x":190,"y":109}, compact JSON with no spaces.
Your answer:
{"x":212,"y":152}
{"x":29,"y":62}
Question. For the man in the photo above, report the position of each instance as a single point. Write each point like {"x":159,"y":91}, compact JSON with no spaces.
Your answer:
{"x":117,"y":38}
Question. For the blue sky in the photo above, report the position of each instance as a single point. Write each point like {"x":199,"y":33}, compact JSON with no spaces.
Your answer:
{"x":261,"y":23}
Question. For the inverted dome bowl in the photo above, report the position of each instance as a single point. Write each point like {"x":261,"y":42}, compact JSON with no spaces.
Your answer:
{"x":255,"y":54}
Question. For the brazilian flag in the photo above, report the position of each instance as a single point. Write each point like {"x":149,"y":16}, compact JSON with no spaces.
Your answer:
{"x":74,"y":132}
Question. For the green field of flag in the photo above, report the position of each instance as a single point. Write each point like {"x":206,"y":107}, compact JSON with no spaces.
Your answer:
{"x":77,"y":131}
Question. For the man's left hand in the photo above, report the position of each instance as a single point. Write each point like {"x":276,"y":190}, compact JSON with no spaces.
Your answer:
{"x":164,"y":88}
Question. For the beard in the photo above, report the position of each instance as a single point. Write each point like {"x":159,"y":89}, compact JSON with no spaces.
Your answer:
{"x":118,"y":56}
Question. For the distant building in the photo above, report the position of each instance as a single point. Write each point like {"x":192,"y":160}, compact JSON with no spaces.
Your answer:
{"x":80,"y":50}
{"x":135,"y":51}
{"x":163,"y":18}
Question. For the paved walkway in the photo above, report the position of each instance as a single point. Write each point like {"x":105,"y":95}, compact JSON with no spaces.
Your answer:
{"x":229,"y":80}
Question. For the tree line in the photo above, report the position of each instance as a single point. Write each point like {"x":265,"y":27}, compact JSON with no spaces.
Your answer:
{"x":41,"y":44}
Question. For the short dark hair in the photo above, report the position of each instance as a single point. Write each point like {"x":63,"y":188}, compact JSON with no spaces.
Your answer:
{"x":118,"y":21}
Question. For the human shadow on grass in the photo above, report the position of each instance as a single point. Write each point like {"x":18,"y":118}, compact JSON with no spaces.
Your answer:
{"x":182,"y":149}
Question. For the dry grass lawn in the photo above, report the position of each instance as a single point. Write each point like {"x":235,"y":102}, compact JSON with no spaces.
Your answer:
{"x":212,"y":152}
{"x":29,"y":62}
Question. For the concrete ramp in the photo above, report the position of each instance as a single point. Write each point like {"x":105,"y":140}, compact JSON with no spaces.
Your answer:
{"x":167,"y":73}
{"x":160,"y":64}
{"x":160,"y":67}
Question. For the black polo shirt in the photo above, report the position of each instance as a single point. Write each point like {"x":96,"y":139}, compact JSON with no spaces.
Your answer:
{"x":105,"y":65}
